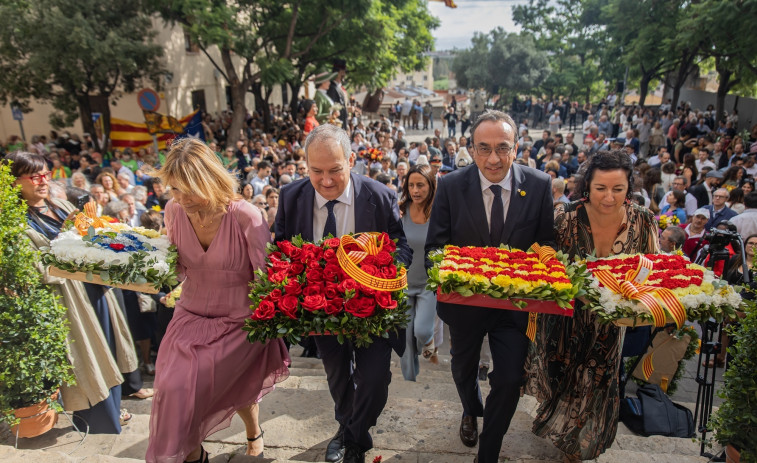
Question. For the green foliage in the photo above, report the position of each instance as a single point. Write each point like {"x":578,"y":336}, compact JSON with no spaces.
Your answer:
{"x":501,"y":63}
{"x":735,"y":422}
{"x":33,"y":352}
{"x":66,"y":51}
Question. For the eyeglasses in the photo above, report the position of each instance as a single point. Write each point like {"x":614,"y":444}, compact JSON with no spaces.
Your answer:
{"x":720,"y":196}
{"x":37,"y":178}
{"x":501,"y":150}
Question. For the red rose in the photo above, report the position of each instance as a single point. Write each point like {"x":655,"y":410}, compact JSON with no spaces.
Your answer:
{"x":370,"y":269}
{"x":277,"y":277}
{"x":293,"y":288}
{"x":312,"y":290}
{"x":286,"y":247}
{"x":360,"y":307}
{"x":296,"y":268}
{"x":369,"y":260}
{"x":348,"y":284}
{"x":307,"y":255}
{"x":366,"y":291}
{"x":387,"y":243}
{"x":384,"y":300}
{"x":314,"y":275}
{"x":116,"y":246}
{"x":329,"y":255}
{"x":334,"y":306}
{"x":331,"y":291}
{"x":275,"y":295}
{"x":313,"y":303}
{"x":331,"y":272}
{"x":332,"y":242}
{"x":389,"y":272}
{"x":288,"y":306}
{"x":384,"y":258}
{"x":314,"y":264}
{"x":265,"y":311}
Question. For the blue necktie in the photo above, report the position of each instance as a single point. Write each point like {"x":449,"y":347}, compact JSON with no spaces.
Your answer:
{"x":497,"y":222}
{"x":330,"y":226}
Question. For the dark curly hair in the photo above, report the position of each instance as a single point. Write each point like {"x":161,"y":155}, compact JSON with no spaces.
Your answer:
{"x":604,"y":160}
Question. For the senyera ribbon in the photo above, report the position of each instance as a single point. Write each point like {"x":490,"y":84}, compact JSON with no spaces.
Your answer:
{"x":657,"y":301}
{"x":545,"y":253}
{"x":369,"y":244}
{"x":88,"y":218}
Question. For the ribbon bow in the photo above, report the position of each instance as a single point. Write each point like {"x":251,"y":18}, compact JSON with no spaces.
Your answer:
{"x":370,"y":244}
{"x":88,"y":218}
{"x":545,"y":253}
{"x":657,"y":301}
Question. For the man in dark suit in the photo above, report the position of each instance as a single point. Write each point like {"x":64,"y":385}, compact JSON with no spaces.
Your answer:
{"x":493,"y":202}
{"x":703,"y":191}
{"x":334,"y":201}
{"x":719,"y":211}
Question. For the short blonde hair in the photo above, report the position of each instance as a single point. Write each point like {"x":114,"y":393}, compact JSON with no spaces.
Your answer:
{"x":193,"y":167}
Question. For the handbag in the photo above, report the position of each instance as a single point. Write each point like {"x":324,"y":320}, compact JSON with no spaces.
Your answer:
{"x":146,"y":303}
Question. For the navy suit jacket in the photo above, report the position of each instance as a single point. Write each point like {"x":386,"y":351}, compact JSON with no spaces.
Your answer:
{"x":458,"y":216}
{"x":376,"y":210}
{"x":716,"y":217}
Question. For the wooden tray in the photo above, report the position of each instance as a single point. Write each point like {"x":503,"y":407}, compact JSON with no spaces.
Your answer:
{"x":635,"y":322}
{"x":480,"y":300}
{"x":82,"y":276}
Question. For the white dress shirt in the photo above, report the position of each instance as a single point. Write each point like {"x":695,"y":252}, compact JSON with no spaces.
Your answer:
{"x":344,"y":211}
{"x":506,"y":184}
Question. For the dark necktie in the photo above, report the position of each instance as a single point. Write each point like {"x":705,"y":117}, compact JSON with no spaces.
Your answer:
{"x":330,"y":226}
{"x":497,"y":222}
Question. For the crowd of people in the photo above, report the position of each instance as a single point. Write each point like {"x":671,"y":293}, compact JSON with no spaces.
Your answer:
{"x":603,"y":193}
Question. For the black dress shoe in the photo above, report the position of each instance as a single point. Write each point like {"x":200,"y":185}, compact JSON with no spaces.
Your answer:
{"x":469,"y":431}
{"x":335,"y":449}
{"x":353,"y":454}
{"x":483,"y":372}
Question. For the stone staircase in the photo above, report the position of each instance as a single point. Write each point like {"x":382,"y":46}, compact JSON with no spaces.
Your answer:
{"x":419,"y":425}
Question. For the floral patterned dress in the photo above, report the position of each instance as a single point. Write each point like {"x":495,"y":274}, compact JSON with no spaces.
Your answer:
{"x":573,"y":365}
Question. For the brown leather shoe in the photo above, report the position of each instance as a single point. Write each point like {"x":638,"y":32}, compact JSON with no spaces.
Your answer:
{"x":469,"y":431}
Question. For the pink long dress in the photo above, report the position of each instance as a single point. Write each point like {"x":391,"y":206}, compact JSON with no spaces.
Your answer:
{"x":206,"y":368}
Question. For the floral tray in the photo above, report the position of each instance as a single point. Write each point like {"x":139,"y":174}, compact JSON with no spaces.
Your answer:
{"x":95,"y":278}
{"x":482,"y":300}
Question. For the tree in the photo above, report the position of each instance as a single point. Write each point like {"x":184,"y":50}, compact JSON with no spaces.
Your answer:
{"x":568,"y":31}
{"x":72,"y":53}
{"x":501,"y":63}
{"x":719,"y":27}
{"x":265,"y":42}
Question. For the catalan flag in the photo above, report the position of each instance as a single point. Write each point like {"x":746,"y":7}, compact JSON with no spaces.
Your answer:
{"x":135,"y":135}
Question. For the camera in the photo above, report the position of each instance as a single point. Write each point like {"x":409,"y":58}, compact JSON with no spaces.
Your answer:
{"x":719,"y":239}
{"x":81,"y":201}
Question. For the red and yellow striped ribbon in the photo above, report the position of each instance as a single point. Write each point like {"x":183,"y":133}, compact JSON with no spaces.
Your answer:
{"x":545,"y":253}
{"x":658,"y":301}
{"x":369,"y":245}
{"x":646,"y":367}
{"x":88,"y":218}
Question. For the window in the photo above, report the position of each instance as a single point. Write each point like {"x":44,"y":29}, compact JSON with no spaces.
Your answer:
{"x":198,"y":100}
{"x":190,"y":46}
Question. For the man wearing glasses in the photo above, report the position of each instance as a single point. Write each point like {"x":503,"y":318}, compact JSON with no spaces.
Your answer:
{"x":719,"y":211}
{"x":494,"y":202}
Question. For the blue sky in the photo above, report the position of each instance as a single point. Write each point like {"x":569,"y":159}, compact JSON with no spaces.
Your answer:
{"x":459,"y":24}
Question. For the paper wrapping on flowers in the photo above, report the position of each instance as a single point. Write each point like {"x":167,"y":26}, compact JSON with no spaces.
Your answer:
{"x":109,"y":253}
{"x":350,"y":286}
{"x":656,"y":289}
{"x":536,"y":280}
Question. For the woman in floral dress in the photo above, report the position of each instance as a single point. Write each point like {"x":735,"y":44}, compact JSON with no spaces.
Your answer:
{"x":573,"y":366}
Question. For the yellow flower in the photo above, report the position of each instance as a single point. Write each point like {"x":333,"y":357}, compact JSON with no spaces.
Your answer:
{"x":156,"y":208}
{"x":521,"y":192}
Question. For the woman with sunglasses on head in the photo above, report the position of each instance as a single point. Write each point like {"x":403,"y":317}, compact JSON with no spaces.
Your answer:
{"x":415,"y":206}
{"x":101,"y":347}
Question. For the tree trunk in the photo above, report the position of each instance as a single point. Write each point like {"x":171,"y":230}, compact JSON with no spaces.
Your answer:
{"x":644,"y":89}
{"x":239,"y":110}
{"x":684,"y":69}
{"x":261,"y":105}
{"x":724,"y":78}
{"x":85,"y":114}
{"x":294,"y":102}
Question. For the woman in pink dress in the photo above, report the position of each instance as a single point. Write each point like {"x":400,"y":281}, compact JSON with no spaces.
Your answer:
{"x":207,"y":370}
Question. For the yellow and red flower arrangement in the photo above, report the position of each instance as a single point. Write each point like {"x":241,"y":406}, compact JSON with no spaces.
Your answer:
{"x":373,"y":155}
{"x":639,"y":289}
{"x":537,"y":280}
{"x":350,"y":286}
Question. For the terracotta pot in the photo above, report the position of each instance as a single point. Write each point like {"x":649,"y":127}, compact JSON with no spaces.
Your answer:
{"x":732,"y":455}
{"x":36,"y":419}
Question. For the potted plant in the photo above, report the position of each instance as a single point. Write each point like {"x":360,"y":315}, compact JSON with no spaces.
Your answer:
{"x":735,"y":422}
{"x":33,"y":350}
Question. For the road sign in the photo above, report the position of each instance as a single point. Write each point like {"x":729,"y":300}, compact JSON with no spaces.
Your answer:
{"x":17,"y":114}
{"x":148,"y":99}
